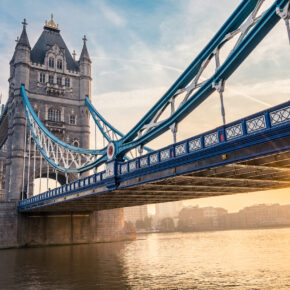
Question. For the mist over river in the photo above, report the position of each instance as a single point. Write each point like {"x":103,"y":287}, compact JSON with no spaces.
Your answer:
{"x":238,"y":259}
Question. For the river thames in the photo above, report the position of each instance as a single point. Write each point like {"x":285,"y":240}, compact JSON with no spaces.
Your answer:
{"x":238,"y":259}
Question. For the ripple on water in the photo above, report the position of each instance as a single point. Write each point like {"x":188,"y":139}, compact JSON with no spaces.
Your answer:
{"x":241,"y":259}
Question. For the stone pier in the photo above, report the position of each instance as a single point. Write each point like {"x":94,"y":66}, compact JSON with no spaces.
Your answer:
{"x":28,"y":230}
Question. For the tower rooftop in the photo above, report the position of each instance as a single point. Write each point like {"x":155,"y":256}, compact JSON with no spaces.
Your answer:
{"x":49,"y":37}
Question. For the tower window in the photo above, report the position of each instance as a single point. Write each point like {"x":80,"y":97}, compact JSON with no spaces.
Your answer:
{"x":72,"y":120}
{"x":50,"y":79}
{"x":76,"y":143}
{"x":51,"y":62}
{"x":54,"y":115}
{"x":67,"y":82}
{"x":42,"y":78}
{"x":59,"y":64}
{"x":59,"y":81}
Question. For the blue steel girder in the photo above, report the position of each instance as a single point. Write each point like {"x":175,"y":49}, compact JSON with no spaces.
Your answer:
{"x":243,"y":20}
{"x":251,"y":36}
{"x":109,"y":132}
{"x":60,"y":155}
{"x":260,"y":135}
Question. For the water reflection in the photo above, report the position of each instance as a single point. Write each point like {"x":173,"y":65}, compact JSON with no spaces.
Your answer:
{"x":241,"y":259}
{"x":95,"y":266}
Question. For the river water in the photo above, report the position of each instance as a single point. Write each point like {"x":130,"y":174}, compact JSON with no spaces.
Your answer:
{"x":239,"y":259}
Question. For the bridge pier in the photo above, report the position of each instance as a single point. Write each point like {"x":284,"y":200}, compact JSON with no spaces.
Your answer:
{"x":28,"y":230}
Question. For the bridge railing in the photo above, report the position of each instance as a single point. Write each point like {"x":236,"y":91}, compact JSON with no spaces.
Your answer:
{"x":233,"y":131}
{"x":65,"y":189}
{"x":236,"y":130}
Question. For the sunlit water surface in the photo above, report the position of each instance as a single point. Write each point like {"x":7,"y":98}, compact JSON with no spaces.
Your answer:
{"x":241,"y":259}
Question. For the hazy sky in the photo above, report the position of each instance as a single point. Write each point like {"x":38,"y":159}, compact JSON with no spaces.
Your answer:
{"x":139,"y":48}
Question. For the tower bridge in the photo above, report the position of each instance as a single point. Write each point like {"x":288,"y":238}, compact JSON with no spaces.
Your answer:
{"x":44,"y":132}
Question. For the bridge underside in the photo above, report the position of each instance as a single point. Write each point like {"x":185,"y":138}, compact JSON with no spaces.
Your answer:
{"x":259,"y":174}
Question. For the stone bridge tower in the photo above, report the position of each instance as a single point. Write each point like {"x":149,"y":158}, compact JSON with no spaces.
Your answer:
{"x":56,"y":84}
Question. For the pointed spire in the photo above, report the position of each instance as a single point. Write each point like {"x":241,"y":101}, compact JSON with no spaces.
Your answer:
{"x":23,"y":40}
{"x":85,"y":53}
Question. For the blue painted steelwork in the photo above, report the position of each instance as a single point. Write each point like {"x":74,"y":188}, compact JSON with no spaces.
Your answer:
{"x":262,"y":127}
{"x":31,"y":116}
{"x":131,"y":140}
{"x":237,"y":56}
{"x":98,"y":119}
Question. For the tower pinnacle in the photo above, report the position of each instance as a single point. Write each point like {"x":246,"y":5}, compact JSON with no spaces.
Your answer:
{"x":85,"y":53}
{"x":51,"y":24}
{"x":24,"y":23}
{"x":23,"y":40}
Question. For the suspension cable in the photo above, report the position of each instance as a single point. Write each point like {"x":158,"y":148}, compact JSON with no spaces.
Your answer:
{"x":29,"y":163}
{"x":220,"y":86}
{"x":34,"y":164}
{"x":24,"y":153}
{"x":47,"y":173}
{"x":40,"y":170}
{"x":56,"y":175}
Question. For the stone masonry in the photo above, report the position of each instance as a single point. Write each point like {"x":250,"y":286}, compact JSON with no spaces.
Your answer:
{"x":56,"y":84}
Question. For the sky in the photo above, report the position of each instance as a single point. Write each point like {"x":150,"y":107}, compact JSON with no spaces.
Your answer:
{"x":139,"y":48}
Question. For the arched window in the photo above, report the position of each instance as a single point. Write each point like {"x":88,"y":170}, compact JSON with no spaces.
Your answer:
{"x":50,"y":114}
{"x":72,"y":119}
{"x":57,"y":115}
{"x":51,"y":62}
{"x":59,"y":81}
{"x":50,"y":79}
{"x":42,"y":78}
{"x":76,"y":143}
{"x":59,"y":64}
{"x":67,"y":82}
{"x":54,"y":115}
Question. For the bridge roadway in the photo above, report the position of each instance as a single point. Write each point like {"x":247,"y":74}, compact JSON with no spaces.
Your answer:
{"x":248,"y":155}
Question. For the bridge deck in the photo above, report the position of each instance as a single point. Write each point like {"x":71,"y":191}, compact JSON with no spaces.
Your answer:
{"x":255,"y":159}
{"x":243,"y":177}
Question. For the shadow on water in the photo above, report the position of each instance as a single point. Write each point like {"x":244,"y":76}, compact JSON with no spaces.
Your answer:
{"x":95,"y":266}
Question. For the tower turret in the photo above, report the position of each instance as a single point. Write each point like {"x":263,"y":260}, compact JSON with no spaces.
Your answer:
{"x":20,"y":74}
{"x":85,"y":71}
{"x":21,"y":60}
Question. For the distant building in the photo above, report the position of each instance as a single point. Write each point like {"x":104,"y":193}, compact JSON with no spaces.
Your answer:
{"x":197,"y":219}
{"x":134,"y":213}
{"x":168,"y":209}
{"x":214,"y":213}
{"x":259,"y":216}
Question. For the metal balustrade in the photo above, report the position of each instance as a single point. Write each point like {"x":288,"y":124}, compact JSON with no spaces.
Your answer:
{"x":245,"y":127}
{"x":194,"y":144}
{"x":256,"y":124}
{"x":280,"y":116}
{"x":234,"y":131}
